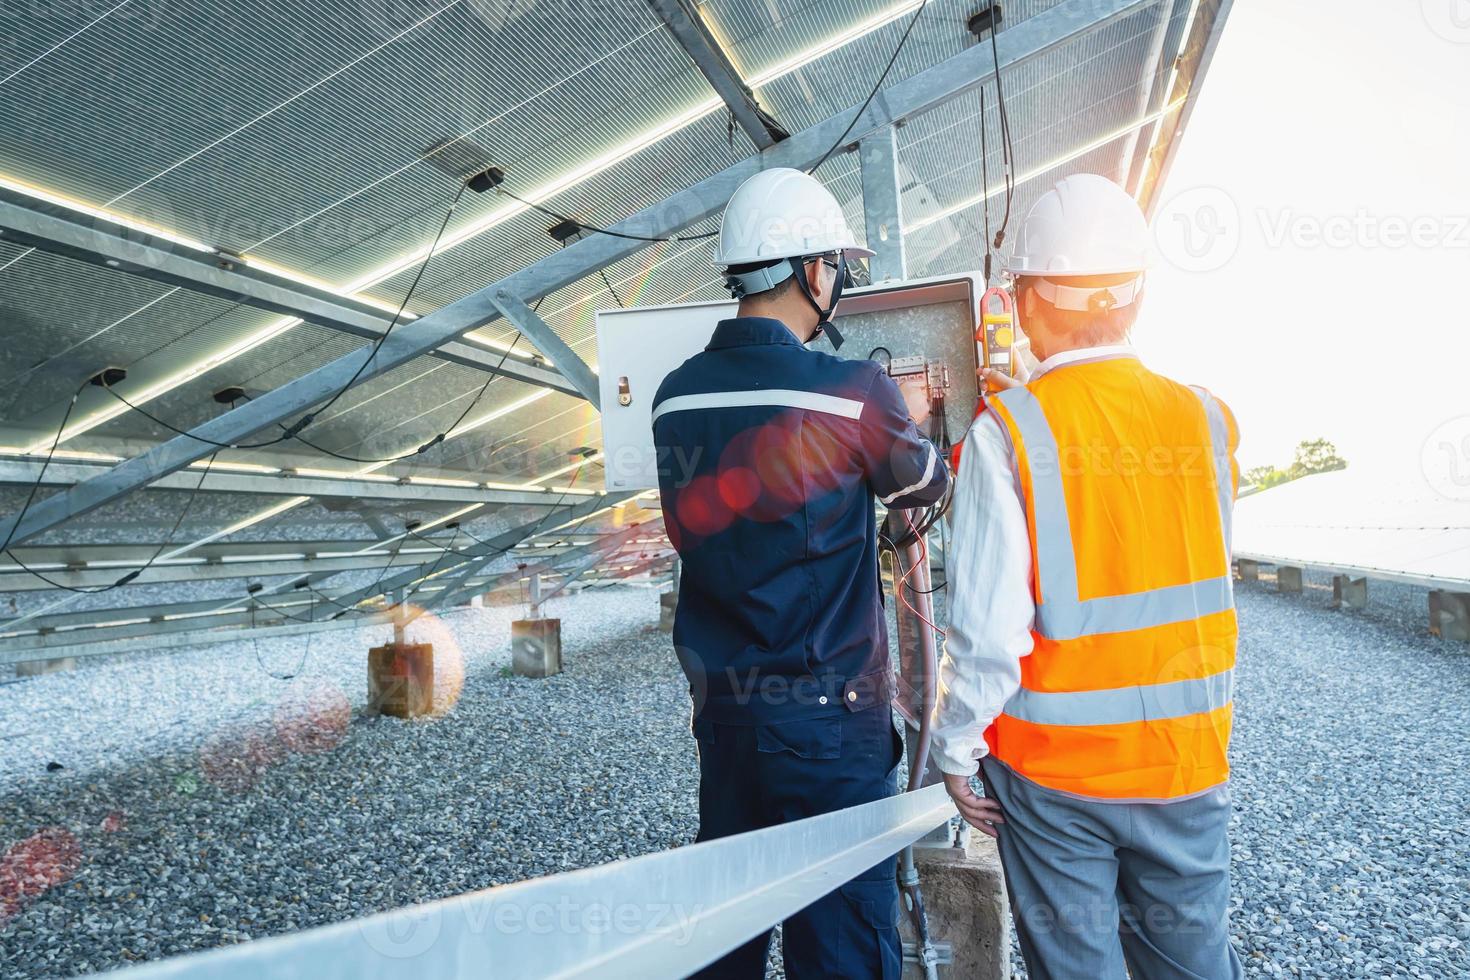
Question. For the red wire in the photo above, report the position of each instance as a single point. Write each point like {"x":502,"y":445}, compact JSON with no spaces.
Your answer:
{"x":899,"y":587}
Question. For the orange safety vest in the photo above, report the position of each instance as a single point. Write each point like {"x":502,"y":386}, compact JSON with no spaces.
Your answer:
{"x":1129,"y":480}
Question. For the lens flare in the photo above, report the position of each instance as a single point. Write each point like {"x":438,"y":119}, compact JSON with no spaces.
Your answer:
{"x":35,"y":865}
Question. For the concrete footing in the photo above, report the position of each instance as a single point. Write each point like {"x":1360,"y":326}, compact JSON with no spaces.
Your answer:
{"x":668,"y":603}
{"x":1349,"y":592}
{"x":1250,"y":571}
{"x":965,"y":898}
{"x":1449,"y":615}
{"x":401,"y":680}
{"x":535,"y":647}
{"x":34,"y":668}
{"x":1288,"y":578}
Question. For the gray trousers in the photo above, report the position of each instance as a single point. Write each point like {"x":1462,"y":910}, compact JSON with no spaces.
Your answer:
{"x":1095,"y":886}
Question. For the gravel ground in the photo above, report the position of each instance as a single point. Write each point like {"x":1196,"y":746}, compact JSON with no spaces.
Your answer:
{"x":203,"y":801}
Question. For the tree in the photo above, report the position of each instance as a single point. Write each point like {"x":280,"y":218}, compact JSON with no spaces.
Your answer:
{"x":1315,"y":456}
{"x":1312,"y":456}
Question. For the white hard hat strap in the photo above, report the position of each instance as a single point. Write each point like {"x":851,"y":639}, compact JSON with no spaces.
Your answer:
{"x":758,"y":281}
{"x":1097,"y":299}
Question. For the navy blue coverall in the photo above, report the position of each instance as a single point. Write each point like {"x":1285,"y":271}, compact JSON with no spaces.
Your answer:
{"x":770,"y":456}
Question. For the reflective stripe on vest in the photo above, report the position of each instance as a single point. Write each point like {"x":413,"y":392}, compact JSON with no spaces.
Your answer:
{"x":1061,"y":615}
{"x":1122,"y":705}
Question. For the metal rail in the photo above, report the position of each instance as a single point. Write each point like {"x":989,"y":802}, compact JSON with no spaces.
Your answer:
{"x":663,"y":915}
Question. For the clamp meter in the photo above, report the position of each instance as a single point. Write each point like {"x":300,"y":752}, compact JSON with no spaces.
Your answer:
{"x":997,"y":330}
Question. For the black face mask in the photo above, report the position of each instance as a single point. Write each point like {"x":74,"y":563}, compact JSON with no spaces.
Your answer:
{"x":824,"y":316}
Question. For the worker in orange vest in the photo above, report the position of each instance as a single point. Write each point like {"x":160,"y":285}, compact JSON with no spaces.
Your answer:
{"x":1087,"y":668}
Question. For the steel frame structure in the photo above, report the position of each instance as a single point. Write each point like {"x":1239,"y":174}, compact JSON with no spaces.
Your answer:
{"x":84,"y":487}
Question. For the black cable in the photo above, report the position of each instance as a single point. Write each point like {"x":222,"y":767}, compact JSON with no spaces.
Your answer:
{"x":1009,"y":148}
{"x":185,"y":432}
{"x":307,"y":419}
{"x":294,"y":429}
{"x":349,"y":458}
{"x":608,"y":283}
{"x":594,"y":229}
{"x":876,"y":86}
{"x":128,"y":576}
{"x":31,"y":497}
{"x":884,"y":350}
{"x":985,"y":185}
{"x":305,"y":652}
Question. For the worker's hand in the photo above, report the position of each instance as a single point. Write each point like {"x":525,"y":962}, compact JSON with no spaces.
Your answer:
{"x":915,"y":391}
{"x":992,"y":380}
{"x":979,"y":812}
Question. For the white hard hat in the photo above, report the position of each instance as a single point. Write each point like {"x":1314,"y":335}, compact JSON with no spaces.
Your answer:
{"x":1085,"y":225}
{"x":781,"y":214}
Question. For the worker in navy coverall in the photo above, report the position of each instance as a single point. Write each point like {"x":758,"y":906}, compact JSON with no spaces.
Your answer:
{"x":771,"y":456}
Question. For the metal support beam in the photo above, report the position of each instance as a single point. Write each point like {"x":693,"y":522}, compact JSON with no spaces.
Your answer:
{"x":689,"y":29}
{"x":575,"y":572}
{"x":464,"y":562}
{"x":25,"y":221}
{"x":548,"y":342}
{"x":463,"y":583}
{"x":883,"y":204}
{"x":19,"y":580}
{"x":24,"y":473}
{"x":1199,"y":50}
{"x":1163,"y":54}
{"x":917,"y":94}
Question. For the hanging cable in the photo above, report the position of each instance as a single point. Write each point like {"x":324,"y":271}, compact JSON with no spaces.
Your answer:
{"x":985,"y":187}
{"x":1007,"y":146}
{"x":876,"y":87}
{"x":45,"y":464}
{"x":594,"y":229}
{"x":310,"y":417}
{"x":127,"y":577}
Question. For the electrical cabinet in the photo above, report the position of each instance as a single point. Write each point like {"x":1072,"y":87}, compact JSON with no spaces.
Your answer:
{"x":923,"y":325}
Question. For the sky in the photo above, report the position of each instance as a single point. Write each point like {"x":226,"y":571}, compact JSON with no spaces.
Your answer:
{"x":1314,"y":233}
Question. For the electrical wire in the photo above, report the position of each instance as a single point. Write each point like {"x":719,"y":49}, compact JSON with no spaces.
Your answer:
{"x":876,"y":87}
{"x":45,"y":464}
{"x":306,"y":650}
{"x":985,"y":186}
{"x":310,"y":417}
{"x":349,"y":458}
{"x":1008,"y":147}
{"x":294,"y":429}
{"x":596,"y":230}
{"x":126,"y":577}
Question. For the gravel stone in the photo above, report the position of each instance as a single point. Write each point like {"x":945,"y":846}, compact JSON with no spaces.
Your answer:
{"x":204,"y":802}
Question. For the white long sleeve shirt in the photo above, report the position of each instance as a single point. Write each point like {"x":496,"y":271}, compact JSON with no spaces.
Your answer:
{"x":991,"y":610}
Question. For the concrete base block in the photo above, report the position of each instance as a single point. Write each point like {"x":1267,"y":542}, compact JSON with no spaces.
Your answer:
{"x":1250,"y":571}
{"x":535,"y":647}
{"x":34,"y":668}
{"x":965,"y":898}
{"x":401,"y":680}
{"x":1288,"y":578}
{"x":1350,"y":592}
{"x":668,"y":603}
{"x":1449,"y":615}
